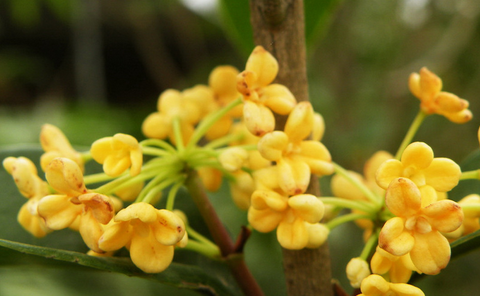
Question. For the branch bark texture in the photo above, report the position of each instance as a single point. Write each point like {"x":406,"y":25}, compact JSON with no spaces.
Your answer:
{"x":278,"y":25}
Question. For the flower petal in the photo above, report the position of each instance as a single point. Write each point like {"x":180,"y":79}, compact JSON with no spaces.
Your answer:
{"x":388,"y":171}
{"x":431,"y":252}
{"x":294,"y":176}
{"x":292,"y":233}
{"x":394,"y":239}
{"x":443,"y":174}
{"x":444,"y":215}
{"x":418,"y":155}
{"x":403,"y":197}
{"x":149,"y":255}
{"x":264,"y":220}
{"x":308,"y":207}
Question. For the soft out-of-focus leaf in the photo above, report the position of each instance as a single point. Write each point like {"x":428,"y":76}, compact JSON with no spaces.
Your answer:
{"x":466,"y":187}
{"x":25,"y":13}
{"x":236,"y":20}
{"x":178,"y":275}
{"x":235,"y":16}
{"x":466,"y":244}
{"x":317,"y":18}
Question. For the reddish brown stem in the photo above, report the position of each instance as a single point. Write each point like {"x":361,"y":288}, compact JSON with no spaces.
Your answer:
{"x":234,"y":259}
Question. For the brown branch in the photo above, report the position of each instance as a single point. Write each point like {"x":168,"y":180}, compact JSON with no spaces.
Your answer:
{"x":278,"y":25}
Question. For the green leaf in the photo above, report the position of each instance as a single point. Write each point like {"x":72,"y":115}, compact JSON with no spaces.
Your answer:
{"x":178,"y":275}
{"x":465,"y":244}
{"x":318,"y":15}
{"x":235,"y":16}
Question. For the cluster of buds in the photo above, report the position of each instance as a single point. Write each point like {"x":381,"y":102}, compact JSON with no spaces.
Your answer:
{"x":228,"y":128}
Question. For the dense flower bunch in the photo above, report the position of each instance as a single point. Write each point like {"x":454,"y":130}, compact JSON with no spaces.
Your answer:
{"x":228,"y":129}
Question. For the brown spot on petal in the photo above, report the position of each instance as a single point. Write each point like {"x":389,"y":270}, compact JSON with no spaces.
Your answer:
{"x":179,"y":229}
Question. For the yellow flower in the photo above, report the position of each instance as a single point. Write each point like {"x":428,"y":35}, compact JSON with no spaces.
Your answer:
{"x":74,"y":203}
{"x":399,"y":268}
{"x":417,"y":227}
{"x":271,"y":208}
{"x":117,"y":154}
{"x":149,"y":234}
{"x":189,"y":106}
{"x":357,"y":270}
{"x":55,"y":144}
{"x":30,"y":185}
{"x":260,"y":96}
{"x":427,"y":87}
{"x":471,"y":223}
{"x":295,"y":157}
{"x":375,"y":285}
{"x":223,"y":83}
{"x":418,"y":165}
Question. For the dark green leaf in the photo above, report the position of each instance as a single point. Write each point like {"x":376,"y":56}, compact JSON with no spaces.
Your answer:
{"x":235,"y":16}
{"x":178,"y":275}
{"x":317,"y":18}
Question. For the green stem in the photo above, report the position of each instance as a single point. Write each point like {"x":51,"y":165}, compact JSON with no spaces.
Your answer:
{"x":172,"y":194}
{"x":220,"y":235}
{"x":223,"y":141}
{"x":350,"y":204}
{"x":206,"y":250}
{"x":155,"y":151}
{"x":177,"y":133}
{"x":344,"y":219}
{"x":96,"y":178}
{"x":411,"y":133}
{"x":371,"y":243}
{"x":194,"y":234}
{"x":158,"y":143}
{"x":209,"y":121}
{"x":470,"y":175}
{"x":360,"y":185}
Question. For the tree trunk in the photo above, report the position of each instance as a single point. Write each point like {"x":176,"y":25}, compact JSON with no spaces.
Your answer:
{"x":278,"y":25}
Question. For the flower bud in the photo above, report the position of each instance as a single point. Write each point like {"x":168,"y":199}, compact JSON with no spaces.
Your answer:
{"x":357,"y":270}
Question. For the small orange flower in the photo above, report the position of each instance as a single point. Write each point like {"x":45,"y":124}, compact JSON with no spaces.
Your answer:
{"x":375,"y":285}
{"x":427,"y":87}
{"x":55,"y":144}
{"x":150,"y":234}
{"x":417,"y":227}
{"x":117,"y":154}
{"x":418,"y":165}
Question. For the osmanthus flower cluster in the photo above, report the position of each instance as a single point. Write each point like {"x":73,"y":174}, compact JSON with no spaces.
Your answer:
{"x":226,"y":129}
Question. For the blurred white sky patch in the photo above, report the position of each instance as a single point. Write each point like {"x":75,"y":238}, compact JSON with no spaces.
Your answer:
{"x":203,"y":7}
{"x":413,"y":12}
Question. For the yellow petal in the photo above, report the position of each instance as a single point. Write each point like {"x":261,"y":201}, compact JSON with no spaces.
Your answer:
{"x":450,"y":103}
{"x":101,"y":149}
{"x":431,"y":252}
{"x":211,"y":178}
{"x":341,"y":187}
{"x":382,"y":261}
{"x":65,"y":176}
{"x":145,"y":212}
{"x":374,"y":162}
{"x":394,"y":239}
{"x":91,"y":231}
{"x":258,"y":119}
{"x":149,"y":255}
{"x":388,"y":171}
{"x":299,"y":124}
{"x":58,"y":211}
{"x":30,"y":220}
{"x":294,"y":176}
{"x":263,"y":199}
{"x":430,"y":84}
{"x":317,"y":157}
{"x":100,"y":205}
{"x":308,"y":207}
{"x":318,"y":127}
{"x":292,"y":235}
{"x":414,"y":85}
{"x":264,"y":220}
{"x":272,"y":145}
{"x":263,"y":64}
{"x":169,"y":228}
{"x":357,"y":270}
{"x":241,"y":189}
{"x":443,"y":174}
{"x":278,"y":98}
{"x":233,"y":159}
{"x":418,"y":155}
{"x":374,"y":285}
{"x":459,"y":117}
{"x":444,"y":215}
{"x":403,"y":197}
{"x":115,"y":236}
{"x":317,"y":234}
{"x":156,"y":126}
{"x":223,"y":80}
{"x":402,"y":289}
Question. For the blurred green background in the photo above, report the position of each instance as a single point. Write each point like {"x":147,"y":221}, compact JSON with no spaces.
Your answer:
{"x":96,"y":68}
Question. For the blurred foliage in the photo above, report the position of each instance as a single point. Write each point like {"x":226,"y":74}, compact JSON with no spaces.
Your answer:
{"x":360,"y":56}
